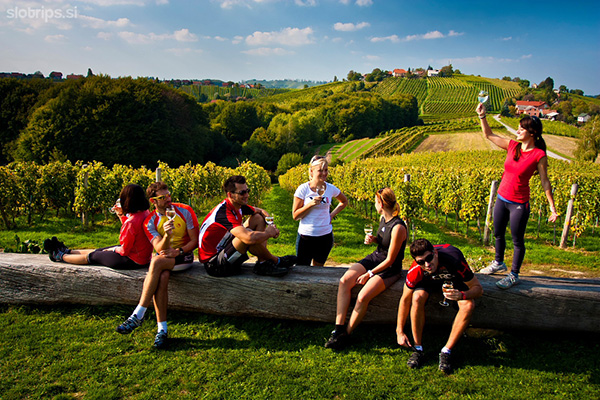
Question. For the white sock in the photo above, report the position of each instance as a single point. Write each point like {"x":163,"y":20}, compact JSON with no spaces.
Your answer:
{"x":139,"y":311}
{"x":162,"y":326}
{"x":446,"y":350}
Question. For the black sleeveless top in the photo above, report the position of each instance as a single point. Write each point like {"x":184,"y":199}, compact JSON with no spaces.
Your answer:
{"x":384,"y":237}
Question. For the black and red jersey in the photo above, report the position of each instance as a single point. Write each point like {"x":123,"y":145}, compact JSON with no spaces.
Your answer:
{"x":452,"y":266}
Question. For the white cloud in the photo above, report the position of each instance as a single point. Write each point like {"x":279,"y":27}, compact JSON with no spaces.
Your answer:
{"x":426,"y":36}
{"x":104,"y":35}
{"x":97,"y":23}
{"x":237,"y":39}
{"x":392,"y":38}
{"x":54,"y":38}
{"x":286,"y":37}
{"x":220,"y":38}
{"x":184,"y":51}
{"x":182,"y":35}
{"x":372,"y":58}
{"x":108,"y":3}
{"x":349,"y":27}
{"x":306,"y":3}
{"x":267,"y":51}
{"x":480,"y":60}
{"x":364,"y":3}
{"x":506,"y":38}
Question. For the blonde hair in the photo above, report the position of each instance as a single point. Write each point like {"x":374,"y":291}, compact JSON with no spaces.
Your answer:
{"x":388,"y":200}
{"x":316,"y":161}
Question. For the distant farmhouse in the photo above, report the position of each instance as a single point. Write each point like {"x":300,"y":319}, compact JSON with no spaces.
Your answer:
{"x":535,"y":108}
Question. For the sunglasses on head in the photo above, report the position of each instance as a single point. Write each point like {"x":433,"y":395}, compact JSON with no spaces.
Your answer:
{"x":427,"y":259}
{"x":161,"y":197}
{"x":242,"y":192}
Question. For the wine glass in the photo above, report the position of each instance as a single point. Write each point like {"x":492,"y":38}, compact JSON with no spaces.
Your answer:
{"x":446,"y":286}
{"x":113,"y":209}
{"x":368,"y":231}
{"x":483,"y":96}
{"x":170,"y":213}
{"x":269,"y":220}
{"x":321,"y":190}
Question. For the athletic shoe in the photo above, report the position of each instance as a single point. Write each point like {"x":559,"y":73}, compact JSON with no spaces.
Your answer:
{"x":129,"y":325}
{"x":416,"y":359}
{"x":58,"y":245}
{"x":56,"y":255}
{"x":161,"y":340}
{"x":268,"y":268}
{"x":508,"y":281}
{"x":287,"y":261}
{"x":445,"y":366}
{"x":338,"y":340}
{"x":493,"y":268}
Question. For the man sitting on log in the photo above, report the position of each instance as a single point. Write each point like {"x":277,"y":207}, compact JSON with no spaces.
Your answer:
{"x":174,"y":237}
{"x":433,"y":267}
{"x":225,"y":239}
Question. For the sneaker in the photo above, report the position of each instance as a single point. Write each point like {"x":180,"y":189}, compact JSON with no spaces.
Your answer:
{"x":508,"y":281}
{"x":56,"y":255}
{"x":493,"y":268}
{"x":129,"y":325}
{"x":338,"y":340}
{"x":268,"y":268}
{"x":415,"y":360}
{"x":58,"y":245}
{"x":161,"y":340}
{"x":287,"y":261}
{"x":445,"y":366}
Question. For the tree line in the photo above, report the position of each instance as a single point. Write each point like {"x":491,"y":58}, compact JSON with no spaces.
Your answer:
{"x":139,"y":122}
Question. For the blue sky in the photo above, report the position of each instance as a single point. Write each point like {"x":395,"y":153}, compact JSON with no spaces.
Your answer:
{"x":302,"y":39}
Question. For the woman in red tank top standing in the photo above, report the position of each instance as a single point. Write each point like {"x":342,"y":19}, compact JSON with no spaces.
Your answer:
{"x":525,"y":157}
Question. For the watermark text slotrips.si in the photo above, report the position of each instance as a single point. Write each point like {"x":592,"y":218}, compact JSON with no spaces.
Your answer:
{"x":41,"y":13}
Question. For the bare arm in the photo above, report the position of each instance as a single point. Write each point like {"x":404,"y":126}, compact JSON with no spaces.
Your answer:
{"x":487,"y":131}
{"x":398,"y":237}
{"x":475,"y":291}
{"x":249,"y":237}
{"x":542,"y":168}
{"x":300,"y":209}
{"x":343,"y":202}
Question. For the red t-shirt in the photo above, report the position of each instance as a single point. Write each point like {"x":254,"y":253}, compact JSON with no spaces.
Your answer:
{"x":222,"y":219}
{"x":515,"y":179}
{"x":133,"y":240}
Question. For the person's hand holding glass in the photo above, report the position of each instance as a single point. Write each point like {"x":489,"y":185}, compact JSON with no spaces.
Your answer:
{"x":369,"y":238}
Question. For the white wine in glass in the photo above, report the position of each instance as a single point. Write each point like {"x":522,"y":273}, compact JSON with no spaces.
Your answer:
{"x":113,"y":209}
{"x":446,"y":286}
{"x":170,"y":213}
{"x":321,"y":190}
{"x":269,"y":220}
{"x":483,"y":96}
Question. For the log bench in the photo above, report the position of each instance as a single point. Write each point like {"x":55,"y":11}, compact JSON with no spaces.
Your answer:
{"x":306,"y":293}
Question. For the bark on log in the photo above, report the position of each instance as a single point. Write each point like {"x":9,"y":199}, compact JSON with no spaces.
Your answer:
{"x":306,"y":293}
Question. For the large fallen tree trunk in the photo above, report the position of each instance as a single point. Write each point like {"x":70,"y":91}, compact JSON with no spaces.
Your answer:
{"x":306,"y":293}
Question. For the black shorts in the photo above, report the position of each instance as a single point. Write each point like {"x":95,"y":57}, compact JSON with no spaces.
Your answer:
{"x":228,"y":261}
{"x":389,"y":275}
{"x":112,"y":259}
{"x":309,"y":248}
{"x":435,"y":285}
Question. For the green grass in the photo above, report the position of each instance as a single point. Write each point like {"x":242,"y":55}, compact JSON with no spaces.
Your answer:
{"x":74,"y":353}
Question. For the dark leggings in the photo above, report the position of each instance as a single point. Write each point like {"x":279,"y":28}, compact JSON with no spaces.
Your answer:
{"x":518,"y":215}
{"x":112,"y":259}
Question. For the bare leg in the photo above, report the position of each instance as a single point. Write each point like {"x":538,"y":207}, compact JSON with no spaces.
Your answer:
{"x":78,"y":257}
{"x":161,"y":296}
{"x":344,"y":295}
{"x":372,"y":288}
{"x":157,"y":266}
{"x":417,"y":316}
{"x":461,"y":321}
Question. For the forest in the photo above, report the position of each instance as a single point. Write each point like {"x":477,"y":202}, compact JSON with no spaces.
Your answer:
{"x":139,"y":122}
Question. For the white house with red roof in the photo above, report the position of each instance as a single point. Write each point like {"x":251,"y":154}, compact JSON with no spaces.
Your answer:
{"x":399,"y":72}
{"x":533,"y":108}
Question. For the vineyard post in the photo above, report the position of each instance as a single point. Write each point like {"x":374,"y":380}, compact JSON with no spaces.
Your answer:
{"x":410,"y":221}
{"x":488,"y":215}
{"x":565,"y":232}
{"x":84,"y":214}
{"x":158,"y":174}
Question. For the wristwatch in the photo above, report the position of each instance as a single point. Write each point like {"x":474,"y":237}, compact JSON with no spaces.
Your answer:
{"x":370,"y":273}
{"x":180,"y":251}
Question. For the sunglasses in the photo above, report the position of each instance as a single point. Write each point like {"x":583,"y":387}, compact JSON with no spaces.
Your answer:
{"x":427,"y":259}
{"x":161,"y":197}
{"x":242,"y":192}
